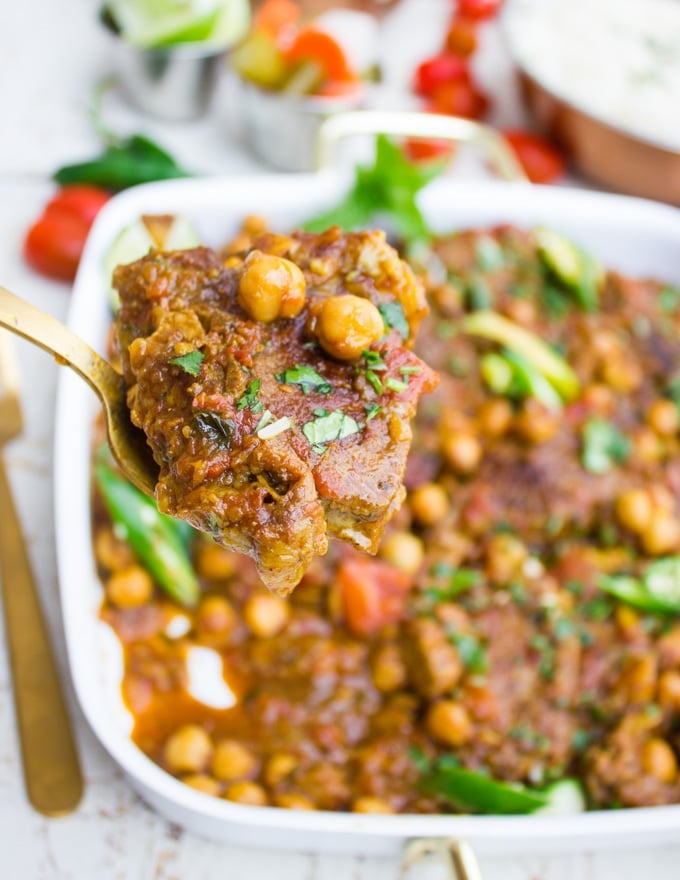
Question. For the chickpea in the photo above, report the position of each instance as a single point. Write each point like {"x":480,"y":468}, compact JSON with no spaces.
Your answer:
{"x":647,"y":446}
{"x":254,"y":224}
{"x":232,"y":760}
{"x":668,"y":647}
{"x":279,"y":766}
{"x":271,"y":287}
{"x":404,"y":551}
{"x":129,"y":587}
{"x":658,"y":759}
{"x":494,"y":417}
{"x":599,"y":398}
{"x":662,"y":535}
{"x":634,"y":509}
{"x":462,"y":452}
{"x":639,"y":678}
{"x":247,"y":793}
{"x":371,"y":805}
{"x":627,"y":620}
{"x":429,"y":503}
{"x":110,"y":552}
{"x":188,"y":750}
{"x":621,"y":373}
{"x":669,"y":690}
{"x":290,"y":800}
{"x":535,"y":422}
{"x":449,"y":722}
{"x":215,"y":615}
{"x":663,"y":417}
{"x":346,"y":325}
{"x":203,"y":782}
{"x":505,"y":555}
{"x":388,"y":670}
{"x":662,"y":498}
{"x":213,"y":562}
{"x":266,"y":614}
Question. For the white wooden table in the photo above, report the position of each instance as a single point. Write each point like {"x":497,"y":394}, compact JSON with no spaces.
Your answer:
{"x":51,"y":55}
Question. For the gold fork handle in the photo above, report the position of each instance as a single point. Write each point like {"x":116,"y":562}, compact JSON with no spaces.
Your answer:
{"x":56,"y":338}
{"x":52,"y":774}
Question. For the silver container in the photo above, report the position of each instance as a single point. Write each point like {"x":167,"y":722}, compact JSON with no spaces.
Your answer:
{"x":282,"y":129}
{"x":175,"y":83}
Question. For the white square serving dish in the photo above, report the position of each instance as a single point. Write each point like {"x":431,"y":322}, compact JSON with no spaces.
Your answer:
{"x":634,"y":236}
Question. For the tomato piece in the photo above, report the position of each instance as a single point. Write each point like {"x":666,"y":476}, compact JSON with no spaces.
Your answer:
{"x":479,"y":9}
{"x":54,"y":244}
{"x":460,"y":97}
{"x":461,"y":38}
{"x":81,"y":199}
{"x":437,"y":71}
{"x":418,"y":150}
{"x":275,"y":17}
{"x":313,"y":45}
{"x":541,"y":160}
{"x":373,"y":593}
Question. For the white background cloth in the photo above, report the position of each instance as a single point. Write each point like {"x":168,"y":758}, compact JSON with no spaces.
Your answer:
{"x":52,"y":52}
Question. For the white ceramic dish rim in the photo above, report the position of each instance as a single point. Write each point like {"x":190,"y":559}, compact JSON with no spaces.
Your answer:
{"x":608,"y":224}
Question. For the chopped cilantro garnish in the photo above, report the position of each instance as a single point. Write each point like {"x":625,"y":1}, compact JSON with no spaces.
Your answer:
{"x":546,"y":653}
{"x":489,"y":254}
{"x":326,"y":427}
{"x":669,"y":298}
{"x":470,"y":650}
{"x":393,"y":316}
{"x":596,"y":609}
{"x":189,"y":362}
{"x":581,"y":739}
{"x":603,"y":446}
{"x":413,"y":370}
{"x":396,"y":385}
{"x":306,"y":377}
{"x":373,"y":360}
{"x":457,"y":580}
{"x":479,"y":295}
{"x":372,"y":410}
{"x":249,"y":399}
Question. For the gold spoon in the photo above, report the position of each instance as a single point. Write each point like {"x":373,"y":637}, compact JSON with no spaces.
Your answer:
{"x":128,"y":444}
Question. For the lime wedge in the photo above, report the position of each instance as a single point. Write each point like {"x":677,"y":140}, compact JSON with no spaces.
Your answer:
{"x":153,"y":24}
{"x":164,"y":232}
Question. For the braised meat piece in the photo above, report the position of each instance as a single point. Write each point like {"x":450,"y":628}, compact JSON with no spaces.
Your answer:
{"x":276,"y":388}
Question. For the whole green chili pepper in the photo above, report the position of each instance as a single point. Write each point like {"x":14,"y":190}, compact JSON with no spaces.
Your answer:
{"x":657,"y":591}
{"x":125,"y":162}
{"x":473,"y":792}
{"x":156,"y":539}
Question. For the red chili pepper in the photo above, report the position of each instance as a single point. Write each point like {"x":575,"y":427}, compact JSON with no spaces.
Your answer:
{"x":541,"y":160}
{"x":437,"y":71}
{"x":479,"y":9}
{"x":417,"y":150}
{"x":461,"y":38}
{"x":460,"y":97}
{"x":54,"y":244}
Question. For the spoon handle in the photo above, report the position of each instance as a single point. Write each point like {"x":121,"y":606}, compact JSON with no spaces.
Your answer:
{"x":54,"y":337}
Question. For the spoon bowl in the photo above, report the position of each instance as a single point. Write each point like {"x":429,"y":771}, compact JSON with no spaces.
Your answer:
{"x":127,"y":443}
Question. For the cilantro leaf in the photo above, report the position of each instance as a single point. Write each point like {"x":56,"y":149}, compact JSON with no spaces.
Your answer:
{"x":189,"y":362}
{"x":326,"y":427}
{"x":307,"y":378}
{"x":388,"y":189}
{"x":393,"y":316}
{"x":603,"y":446}
{"x":249,"y":398}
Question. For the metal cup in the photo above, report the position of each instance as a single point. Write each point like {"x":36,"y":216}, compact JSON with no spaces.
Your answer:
{"x":282,"y":129}
{"x":174,"y":83}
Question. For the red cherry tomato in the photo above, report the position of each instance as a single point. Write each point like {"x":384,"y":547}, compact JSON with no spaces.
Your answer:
{"x":437,"y":71}
{"x":373,"y":593}
{"x":460,"y":97}
{"x":81,"y":199}
{"x":479,"y":9}
{"x":540,"y":159}
{"x":417,"y":150}
{"x":54,"y":244}
{"x":461,"y":38}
